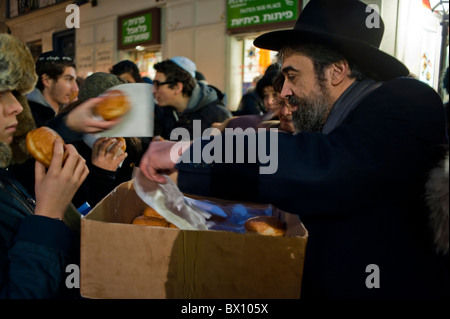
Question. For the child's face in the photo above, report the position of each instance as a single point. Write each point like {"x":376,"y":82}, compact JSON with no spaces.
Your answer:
{"x":9,"y":108}
{"x":269,"y":97}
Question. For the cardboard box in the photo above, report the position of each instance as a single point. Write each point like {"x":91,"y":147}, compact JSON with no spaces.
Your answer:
{"x":121,"y":260}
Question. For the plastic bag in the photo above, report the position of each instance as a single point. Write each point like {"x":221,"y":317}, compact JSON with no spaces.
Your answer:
{"x":169,"y":202}
{"x":194,"y":214}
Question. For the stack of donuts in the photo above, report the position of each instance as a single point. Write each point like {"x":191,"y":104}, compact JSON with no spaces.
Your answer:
{"x":262,"y":225}
{"x":151,"y":217}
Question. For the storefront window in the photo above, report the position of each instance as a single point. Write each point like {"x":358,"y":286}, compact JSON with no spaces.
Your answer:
{"x":255,"y":62}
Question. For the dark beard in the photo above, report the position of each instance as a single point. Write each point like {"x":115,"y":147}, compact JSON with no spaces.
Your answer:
{"x":312,"y":112}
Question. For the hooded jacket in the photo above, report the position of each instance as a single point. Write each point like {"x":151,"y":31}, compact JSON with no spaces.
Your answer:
{"x":206,"y":104}
{"x":40,"y":108}
{"x":34,"y":250}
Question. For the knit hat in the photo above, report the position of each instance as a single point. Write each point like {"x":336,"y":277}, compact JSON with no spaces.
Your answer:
{"x":17,"y":73}
{"x":53,"y":57}
{"x":47,"y":63}
{"x":97,"y":83}
{"x":185,"y":64}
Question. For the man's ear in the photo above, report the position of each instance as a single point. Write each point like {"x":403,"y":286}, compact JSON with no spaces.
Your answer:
{"x":45,"y":80}
{"x":339,"y":71}
{"x":179,"y":88}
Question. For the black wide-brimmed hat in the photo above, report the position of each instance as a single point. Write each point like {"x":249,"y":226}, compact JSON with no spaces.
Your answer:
{"x":348,"y":26}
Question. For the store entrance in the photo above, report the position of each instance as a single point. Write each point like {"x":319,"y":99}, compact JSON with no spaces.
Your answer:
{"x":144,"y":58}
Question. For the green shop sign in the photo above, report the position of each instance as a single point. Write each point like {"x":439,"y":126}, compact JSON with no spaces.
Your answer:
{"x":250,"y":13}
{"x":137,"y":29}
{"x":141,"y":28}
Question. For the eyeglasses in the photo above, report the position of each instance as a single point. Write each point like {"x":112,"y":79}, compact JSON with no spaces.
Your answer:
{"x":284,"y":102}
{"x":157,"y":83}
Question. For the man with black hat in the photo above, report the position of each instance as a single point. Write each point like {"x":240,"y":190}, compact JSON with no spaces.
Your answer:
{"x":355,"y":173}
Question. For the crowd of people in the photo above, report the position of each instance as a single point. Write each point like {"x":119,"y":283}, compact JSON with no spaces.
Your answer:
{"x":362,"y":156}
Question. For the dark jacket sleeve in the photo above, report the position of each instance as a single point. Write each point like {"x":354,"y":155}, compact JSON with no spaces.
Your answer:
{"x":36,"y":262}
{"x":59,"y":125}
{"x":383,"y":146}
{"x":101,"y":183}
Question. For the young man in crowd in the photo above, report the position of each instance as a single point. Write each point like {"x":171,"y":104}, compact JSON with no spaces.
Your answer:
{"x":181,"y":99}
{"x":55,"y":88}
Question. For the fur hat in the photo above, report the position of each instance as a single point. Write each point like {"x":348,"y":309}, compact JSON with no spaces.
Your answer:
{"x":17,"y":69}
{"x":17,"y":73}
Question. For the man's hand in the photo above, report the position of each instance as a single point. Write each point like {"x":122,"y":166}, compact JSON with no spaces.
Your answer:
{"x":160,"y":159}
{"x":82,"y":118}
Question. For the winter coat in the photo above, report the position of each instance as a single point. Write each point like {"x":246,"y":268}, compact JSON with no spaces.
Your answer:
{"x":206,"y":104}
{"x":359,"y":191}
{"x":34,"y":250}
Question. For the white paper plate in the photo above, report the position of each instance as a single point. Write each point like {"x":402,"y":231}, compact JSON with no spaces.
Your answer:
{"x":139,"y":122}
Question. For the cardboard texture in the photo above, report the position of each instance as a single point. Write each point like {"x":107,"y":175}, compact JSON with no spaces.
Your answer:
{"x":125,"y":261}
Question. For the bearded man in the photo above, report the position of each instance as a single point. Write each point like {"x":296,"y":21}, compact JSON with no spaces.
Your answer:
{"x":355,"y":171}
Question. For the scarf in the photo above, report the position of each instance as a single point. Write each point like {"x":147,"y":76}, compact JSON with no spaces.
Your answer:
{"x":347,"y":102}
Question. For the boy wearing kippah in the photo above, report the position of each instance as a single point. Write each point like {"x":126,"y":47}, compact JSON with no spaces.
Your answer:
{"x":56,"y":86}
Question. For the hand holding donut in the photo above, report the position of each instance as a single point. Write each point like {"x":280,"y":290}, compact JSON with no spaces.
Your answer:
{"x":98,"y":114}
{"x":40,"y":144}
{"x":108,"y":153}
{"x":56,"y":186}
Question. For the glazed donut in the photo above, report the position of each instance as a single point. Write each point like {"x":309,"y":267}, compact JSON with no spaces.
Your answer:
{"x":124,"y":143}
{"x":115,"y":104}
{"x":265,"y":225}
{"x":150,"y":221}
{"x":40,"y":144}
{"x":73,"y":96}
{"x":150,"y":212}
